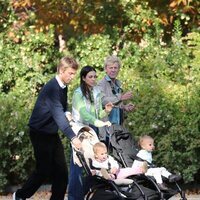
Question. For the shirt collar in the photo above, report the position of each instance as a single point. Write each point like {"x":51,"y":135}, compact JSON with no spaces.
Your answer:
{"x":61,"y":84}
{"x":117,"y":82}
{"x":108,"y":78}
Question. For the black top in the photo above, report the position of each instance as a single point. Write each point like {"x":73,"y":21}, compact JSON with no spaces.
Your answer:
{"x":49,"y":112}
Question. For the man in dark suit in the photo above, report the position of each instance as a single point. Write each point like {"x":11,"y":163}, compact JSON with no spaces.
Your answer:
{"x":49,"y":115}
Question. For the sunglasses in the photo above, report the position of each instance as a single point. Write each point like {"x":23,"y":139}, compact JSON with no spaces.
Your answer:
{"x":119,"y":90}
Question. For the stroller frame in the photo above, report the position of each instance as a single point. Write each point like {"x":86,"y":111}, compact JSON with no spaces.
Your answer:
{"x":117,"y":132}
{"x":95,"y":187}
{"x":129,"y":191}
{"x":121,"y":194}
{"x":152,"y":181}
{"x":120,"y":157}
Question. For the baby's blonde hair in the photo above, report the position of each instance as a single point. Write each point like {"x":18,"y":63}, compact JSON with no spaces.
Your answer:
{"x":99,"y":145}
{"x":143,"y":139}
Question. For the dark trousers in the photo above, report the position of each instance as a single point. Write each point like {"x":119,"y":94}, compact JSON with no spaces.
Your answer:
{"x":50,"y":163}
{"x":75,"y":188}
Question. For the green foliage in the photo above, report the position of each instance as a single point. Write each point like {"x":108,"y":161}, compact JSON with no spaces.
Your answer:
{"x":90,"y":50}
{"x":166,"y":89}
{"x":5,"y":14}
{"x":98,"y":44}
{"x":165,"y":81}
{"x":164,"y":78}
{"x":24,"y":67}
{"x":15,"y":153}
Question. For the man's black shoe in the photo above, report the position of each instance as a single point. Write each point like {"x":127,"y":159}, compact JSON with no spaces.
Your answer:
{"x":16,"y":198}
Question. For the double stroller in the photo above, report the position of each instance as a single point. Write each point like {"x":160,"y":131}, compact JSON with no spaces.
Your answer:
{"x":137,"y":187}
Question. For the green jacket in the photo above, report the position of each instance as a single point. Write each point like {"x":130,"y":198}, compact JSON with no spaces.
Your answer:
{"x":84,"y":111}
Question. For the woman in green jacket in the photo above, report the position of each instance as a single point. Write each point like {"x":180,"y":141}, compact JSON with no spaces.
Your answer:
{"x":86,"y":109}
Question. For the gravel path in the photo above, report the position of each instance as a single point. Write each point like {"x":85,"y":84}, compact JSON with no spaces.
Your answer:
{"x":46,"y":196}
{"x":37,"y":196}
{"x":189,"y":197}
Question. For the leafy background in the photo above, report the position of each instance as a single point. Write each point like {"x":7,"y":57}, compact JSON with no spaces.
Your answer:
{"x":158,"y":43}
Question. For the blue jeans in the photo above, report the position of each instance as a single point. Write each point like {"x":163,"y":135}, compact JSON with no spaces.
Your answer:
{"x":75,"y":188}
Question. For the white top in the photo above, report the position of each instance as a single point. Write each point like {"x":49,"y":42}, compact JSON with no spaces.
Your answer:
{"x":144,"y":155}
{"x":107,"y":164}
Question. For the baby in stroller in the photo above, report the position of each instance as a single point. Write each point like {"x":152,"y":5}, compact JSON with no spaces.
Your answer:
{"x":96,"y":187}
{"x":146,"y":144}
{"x":109,"y":166}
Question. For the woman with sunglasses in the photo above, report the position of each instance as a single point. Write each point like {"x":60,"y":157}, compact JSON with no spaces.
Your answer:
{"x":86,"y":109}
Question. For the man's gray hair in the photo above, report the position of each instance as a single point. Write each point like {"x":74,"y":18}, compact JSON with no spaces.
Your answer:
{"x":111,"y":60}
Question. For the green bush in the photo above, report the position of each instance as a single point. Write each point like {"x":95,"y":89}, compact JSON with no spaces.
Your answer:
{"x":165,"y":81}
{"x":166,"y":86}
{"x":25,"y":66}
{"x":163,"y":77}
{"x":15,"y":153}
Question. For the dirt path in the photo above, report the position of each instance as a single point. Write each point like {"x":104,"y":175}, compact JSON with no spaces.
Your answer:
{"x":46,"y":196}
{"x":37,"y":196}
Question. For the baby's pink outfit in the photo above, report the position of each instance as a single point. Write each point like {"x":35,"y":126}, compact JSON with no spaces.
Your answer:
{"x":128,"y":171}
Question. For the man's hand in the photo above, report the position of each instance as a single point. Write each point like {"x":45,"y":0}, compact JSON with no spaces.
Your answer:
{"x":68,"y":116}
{"x":129,"y":107}
{"x":126,"y":96}
{"x":76,"y":143}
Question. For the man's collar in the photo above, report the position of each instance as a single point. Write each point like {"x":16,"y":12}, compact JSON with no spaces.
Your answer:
{"x":116,"y":82}
{"x":61,"y":84}
{"x":108,"y":78}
